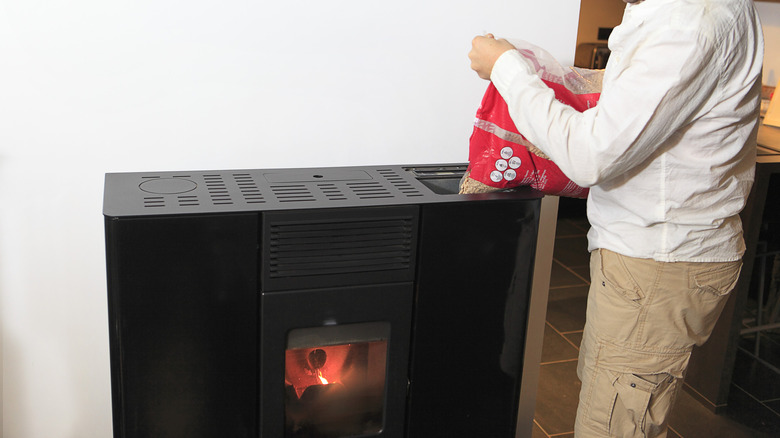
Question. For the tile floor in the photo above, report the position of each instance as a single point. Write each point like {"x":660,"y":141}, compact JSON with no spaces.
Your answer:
{"x":754,"y":401}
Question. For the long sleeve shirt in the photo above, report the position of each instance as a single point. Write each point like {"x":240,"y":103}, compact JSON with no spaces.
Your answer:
{"x":669,"y":151}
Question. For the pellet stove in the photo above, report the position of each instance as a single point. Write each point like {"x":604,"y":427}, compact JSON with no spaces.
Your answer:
{"x":317,"y":303}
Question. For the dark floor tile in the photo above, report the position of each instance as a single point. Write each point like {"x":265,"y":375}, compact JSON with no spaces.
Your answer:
{"x":755,"y":378}
{"x":572,"y":251}
{"x":567,"y":228}
{"x":746,"y":410}
{"x":692,"y":420}
{"x":567,"y":292}
{"x":556,"y":402}
{"x":769,"y":346}
{"x":537,"y":432}
{"x":575,"y":338}
{"x":555,"y":347}
{"x":582,"y":223}
{"x":567,"y":315}
{"x":562,"y":277}
{"x":582,"y":271}
{"x":773,"y":405}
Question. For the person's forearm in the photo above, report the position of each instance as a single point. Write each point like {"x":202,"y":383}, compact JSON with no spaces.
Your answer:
{"x":642,"y":104}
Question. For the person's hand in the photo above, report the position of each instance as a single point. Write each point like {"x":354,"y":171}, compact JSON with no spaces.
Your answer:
{"x":485,"y":50}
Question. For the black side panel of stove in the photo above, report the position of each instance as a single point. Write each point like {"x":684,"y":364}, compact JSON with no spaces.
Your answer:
{"x":474,"y":275}
{"x":183,"y":303}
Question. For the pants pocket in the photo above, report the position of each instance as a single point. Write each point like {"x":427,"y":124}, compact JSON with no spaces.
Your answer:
{"x":601,"y":400}
{"x":709,"y":287}
{"x":716,"y":280}
{"x":628,"y":393}
{"x":631,"y":405}
{"x":620,"y":402}
{"x":617,"y":276}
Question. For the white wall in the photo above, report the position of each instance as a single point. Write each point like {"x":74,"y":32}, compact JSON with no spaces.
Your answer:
{"x":94,"y":86}
{"x":770,"y":20}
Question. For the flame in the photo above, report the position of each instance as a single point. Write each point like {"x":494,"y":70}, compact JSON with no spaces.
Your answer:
{"x":322,"y":379}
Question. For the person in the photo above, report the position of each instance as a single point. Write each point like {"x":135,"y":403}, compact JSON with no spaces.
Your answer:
{"x":669,"y":156}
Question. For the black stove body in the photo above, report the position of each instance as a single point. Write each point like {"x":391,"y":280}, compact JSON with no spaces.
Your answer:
{"x":333,"y":302}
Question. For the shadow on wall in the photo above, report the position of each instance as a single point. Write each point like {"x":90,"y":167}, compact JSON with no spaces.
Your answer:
{"x":13,"y":399}
{"x":31,"y":377}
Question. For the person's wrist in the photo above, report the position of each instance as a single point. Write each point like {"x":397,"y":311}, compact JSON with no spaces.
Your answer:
{"x":502,"y":59}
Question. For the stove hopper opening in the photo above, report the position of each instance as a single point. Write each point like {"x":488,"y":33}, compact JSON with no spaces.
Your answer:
{"x":335,"y":380}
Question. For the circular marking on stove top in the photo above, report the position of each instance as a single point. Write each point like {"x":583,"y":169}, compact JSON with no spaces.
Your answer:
{"x":168,"y":186}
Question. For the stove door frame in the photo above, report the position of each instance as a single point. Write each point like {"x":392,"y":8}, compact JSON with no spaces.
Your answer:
{"x":281,"y":312}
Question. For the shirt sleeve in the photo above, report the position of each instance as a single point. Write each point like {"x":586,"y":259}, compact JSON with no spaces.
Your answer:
{"x":657,"y":88}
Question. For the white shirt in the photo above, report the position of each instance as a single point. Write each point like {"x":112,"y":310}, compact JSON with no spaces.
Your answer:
{"x":669,"y":152}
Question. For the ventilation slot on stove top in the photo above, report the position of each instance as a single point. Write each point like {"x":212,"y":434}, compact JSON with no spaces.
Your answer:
{"x":400,"y":183}
{"x":154,"y":201}
{"x":331,"y":192}
{"x":188,"y":201}
{"x":248,"y":188}
{"x":218,"y":191}
{"x":369,"y":190}
{"x":292,"y":193}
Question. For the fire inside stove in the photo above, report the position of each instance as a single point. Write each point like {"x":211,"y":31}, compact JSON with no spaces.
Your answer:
{"x":335,"y":380}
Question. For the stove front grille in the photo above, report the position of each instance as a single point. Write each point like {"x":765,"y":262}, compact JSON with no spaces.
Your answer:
{"x":309,"y":248}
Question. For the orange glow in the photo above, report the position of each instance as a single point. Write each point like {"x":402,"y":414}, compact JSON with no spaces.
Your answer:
{"x":305,"y":367}
{"x":335,"y":390}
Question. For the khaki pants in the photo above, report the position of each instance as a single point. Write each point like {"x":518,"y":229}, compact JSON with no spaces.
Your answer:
{"x":643,"y":319}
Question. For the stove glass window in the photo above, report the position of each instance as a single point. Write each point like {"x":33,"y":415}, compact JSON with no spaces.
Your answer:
{"x":335,"y":380}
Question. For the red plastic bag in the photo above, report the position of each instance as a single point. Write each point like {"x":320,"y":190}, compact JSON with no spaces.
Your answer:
{"x":501,"y":158}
